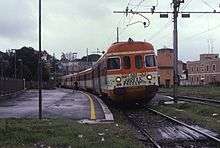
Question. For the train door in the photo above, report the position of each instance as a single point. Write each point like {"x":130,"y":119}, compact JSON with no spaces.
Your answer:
{"x":99,"y":79}
{"x":93,"y":81}
{"x":85,"y":81}
{"x":104,"y":76}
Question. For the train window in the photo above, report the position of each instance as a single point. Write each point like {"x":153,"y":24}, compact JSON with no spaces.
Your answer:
{"x":126,"y":62}
{"x":138,"y":61}
{"x":150,"y":61}
{"x":113,"y":63}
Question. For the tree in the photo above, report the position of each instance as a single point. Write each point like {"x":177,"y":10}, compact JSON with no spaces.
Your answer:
{"x":29,"y":58}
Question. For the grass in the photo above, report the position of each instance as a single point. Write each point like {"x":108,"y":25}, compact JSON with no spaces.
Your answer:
{"x":65,"y":133}
{"x":198,"y":91}
{"x":205,"y":116}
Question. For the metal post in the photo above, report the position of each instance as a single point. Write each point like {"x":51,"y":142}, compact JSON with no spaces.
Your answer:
{"x":175,"y":47}
{"x":117,"y":34}
{"x":2,"y":69}
{"x":21,"y":68}
{"x":1,"y":79}
{"x":87,"y":53}
{"x":24,"y":85}
{"x":15,"y":72}
{"x":40,"y":66}
{"x":54,"y":66}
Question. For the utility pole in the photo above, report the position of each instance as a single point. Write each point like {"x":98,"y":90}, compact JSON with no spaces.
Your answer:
{"x":2,"y":74}
{"x":87,"y":55}
{"x":164,"y":14}
{"x":54,"y":67}
{"x":176,"y":5}
{"x":2,"y":68}
{"x":15,"y":64}
{"x":117,"y":34}
{"x":1,"y":62}
{"x":74,"y":59}
{"x":40,"y":65}
{"x":21,"y":68}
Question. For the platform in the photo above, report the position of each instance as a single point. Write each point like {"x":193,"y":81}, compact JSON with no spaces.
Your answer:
{"x":59,"y":103}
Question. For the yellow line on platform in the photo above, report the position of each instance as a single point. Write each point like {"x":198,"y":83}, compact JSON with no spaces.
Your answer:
{"x":92,"y":107}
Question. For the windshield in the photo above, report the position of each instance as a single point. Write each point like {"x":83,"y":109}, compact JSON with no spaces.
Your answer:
{"x":113,"y":63}
{"x":126,"y":62}
{"x":138,"y":61}
{"x":150,"y":61}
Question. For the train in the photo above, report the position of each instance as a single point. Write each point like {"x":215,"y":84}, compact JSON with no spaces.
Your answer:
{"x":127,"y":72}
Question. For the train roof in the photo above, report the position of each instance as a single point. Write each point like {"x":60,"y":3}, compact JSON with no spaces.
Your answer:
{"x":85,"y":71}
{"x":165,"y":49}
{"x":129,"y":46}
{"x":70,"y":75}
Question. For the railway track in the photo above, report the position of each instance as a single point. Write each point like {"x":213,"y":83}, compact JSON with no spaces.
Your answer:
{"x":164,"y":131}
{"x":210,"y":102}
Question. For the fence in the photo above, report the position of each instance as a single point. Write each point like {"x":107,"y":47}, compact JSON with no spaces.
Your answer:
{"x":45,"y":85}
{"x":10,"y":85}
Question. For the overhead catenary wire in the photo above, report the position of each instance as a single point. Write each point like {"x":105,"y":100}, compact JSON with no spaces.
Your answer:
{"x":136,"y":9}
{"x":158,"y":33}
{"x":200,"y":33}
{"x":130,"y":17}
{"x":147,"y":6}
{"x":186,"y":5}
{"x":207,"y":4}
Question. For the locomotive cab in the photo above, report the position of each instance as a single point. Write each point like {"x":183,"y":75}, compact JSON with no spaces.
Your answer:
{"x":132,"y":75}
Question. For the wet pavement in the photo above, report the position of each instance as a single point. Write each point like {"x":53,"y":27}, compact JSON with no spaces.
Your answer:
{"x":59,"y":103}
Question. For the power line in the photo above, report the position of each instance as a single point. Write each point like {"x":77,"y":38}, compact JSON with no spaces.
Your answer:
{"x":137,"y":7}
{"x":207,"y":4}
{"x":198,"y":34}
{"x":156,"y":4}
{"x":129,"y":1}
{"x":186,"y":5}
{"x":158,"y":33}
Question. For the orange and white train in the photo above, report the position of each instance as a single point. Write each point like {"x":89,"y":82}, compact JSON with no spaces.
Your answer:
{"x":127,"y":72}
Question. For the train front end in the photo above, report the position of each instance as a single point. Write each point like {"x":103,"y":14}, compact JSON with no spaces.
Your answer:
{"x":132,"y":73}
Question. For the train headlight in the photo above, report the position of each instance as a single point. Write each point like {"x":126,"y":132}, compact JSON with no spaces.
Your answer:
{"x":118,"y":79}
{"x":149,"y":77}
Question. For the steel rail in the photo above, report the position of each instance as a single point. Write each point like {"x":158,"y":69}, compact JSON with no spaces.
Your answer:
{"x":203,"y":101}
{"x":184,"y":124}
{"x":200,"y":102}
{"x":143,"y":131}
{"x":200,"y":99}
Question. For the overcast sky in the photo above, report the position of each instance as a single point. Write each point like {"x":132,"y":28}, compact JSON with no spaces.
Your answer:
{"x":73,"y":26}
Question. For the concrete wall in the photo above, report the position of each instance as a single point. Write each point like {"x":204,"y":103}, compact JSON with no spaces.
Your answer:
{"x":8,"y":85}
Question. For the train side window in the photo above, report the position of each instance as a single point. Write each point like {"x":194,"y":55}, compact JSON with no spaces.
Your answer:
{"x":150,"y":61}
{"x":113,"y":63}
{"x":138,"y":61}
{"x":126,"y":62}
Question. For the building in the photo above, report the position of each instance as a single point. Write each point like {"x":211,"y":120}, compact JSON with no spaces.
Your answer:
{"x":205,"y":71}
{"x":165,"y":68}
{"x":182,"y":73}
